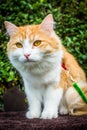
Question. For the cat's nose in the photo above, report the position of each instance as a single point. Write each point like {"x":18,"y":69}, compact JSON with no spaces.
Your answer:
{"x":27,"y":55}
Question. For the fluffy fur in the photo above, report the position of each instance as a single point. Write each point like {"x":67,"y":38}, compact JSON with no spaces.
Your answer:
{"x":48,"y":86}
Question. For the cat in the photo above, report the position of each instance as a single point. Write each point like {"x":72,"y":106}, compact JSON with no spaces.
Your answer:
{"x":43,"y":62}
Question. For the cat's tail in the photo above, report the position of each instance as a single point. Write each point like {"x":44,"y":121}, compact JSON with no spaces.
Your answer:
{"x":79,"y":111}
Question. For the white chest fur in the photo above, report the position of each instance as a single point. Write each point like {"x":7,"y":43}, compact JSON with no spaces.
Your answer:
{"x":37,"y":80}
{"x":40,"y":83}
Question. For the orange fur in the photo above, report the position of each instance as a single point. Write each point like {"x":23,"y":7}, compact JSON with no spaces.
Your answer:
{"x":78,"y":107}
{"x":49,"y":45}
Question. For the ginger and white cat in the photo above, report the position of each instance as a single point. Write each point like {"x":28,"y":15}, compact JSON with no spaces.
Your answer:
{"x":37,"y":53}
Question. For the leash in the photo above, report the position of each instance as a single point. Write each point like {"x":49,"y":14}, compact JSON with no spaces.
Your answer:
{"x":75,"y":85}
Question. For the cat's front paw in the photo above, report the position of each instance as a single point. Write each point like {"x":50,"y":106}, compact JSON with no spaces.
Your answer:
{"x":31,"y":115}
{"x":49,"y":115}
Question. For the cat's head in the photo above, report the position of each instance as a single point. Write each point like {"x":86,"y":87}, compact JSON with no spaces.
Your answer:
{"x":32,"y":43}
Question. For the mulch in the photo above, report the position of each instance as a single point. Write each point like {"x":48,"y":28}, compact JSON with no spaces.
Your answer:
{"x":18,"y":121}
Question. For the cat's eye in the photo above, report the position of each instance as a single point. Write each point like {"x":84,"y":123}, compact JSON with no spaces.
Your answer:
{"x":19,"y":45}
{"x":37,"y":43}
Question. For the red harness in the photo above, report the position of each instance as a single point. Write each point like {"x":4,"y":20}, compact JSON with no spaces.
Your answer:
{"x":63,"y":66}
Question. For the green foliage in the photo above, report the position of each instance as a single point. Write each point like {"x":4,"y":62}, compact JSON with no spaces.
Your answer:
{"x":71,"y":26}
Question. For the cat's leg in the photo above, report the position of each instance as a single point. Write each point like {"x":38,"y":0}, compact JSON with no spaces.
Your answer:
{"x":52,"y":100}
{"x":34,"y":101}
{"x":76,"y":104}
{"x":63,"y":109}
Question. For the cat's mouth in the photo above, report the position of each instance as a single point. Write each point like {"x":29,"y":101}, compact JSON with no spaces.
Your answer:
{"x":29,"y":61}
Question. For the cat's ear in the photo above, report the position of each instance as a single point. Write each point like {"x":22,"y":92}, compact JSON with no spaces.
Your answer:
{"x":11,"y":28}
{"x":47,"y":24}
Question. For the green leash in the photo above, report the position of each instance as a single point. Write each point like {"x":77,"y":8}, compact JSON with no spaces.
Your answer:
{"x":81,"y":93}
{"x":75,"y":85}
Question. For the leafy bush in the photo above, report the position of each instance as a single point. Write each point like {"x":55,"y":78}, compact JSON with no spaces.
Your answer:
{"x":71,"y":26}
